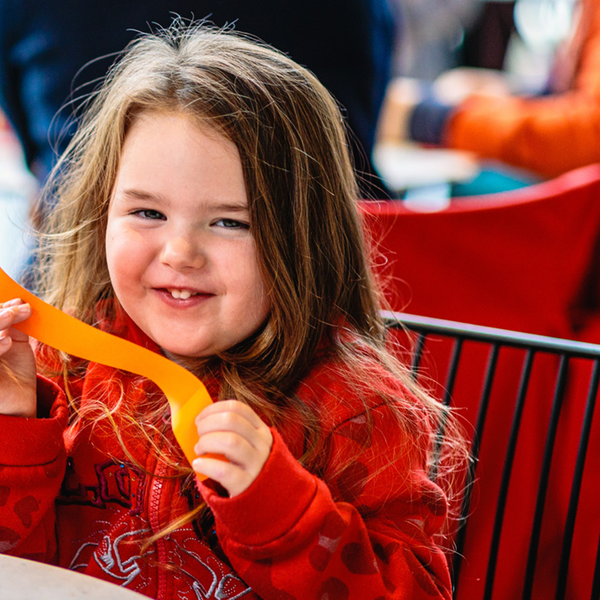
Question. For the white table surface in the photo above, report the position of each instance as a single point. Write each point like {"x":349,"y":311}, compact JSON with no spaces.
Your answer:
{"x":22,"y":579}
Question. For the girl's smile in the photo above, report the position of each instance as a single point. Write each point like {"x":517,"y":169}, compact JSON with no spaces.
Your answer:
{"x":180,"y":253}
{"x":179,"y":298}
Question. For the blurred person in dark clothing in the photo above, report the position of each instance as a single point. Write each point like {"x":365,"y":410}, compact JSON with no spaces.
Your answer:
{"x":52,"y":55}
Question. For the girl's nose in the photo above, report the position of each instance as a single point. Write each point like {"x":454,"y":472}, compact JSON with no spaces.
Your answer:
{"x":181,"y":253}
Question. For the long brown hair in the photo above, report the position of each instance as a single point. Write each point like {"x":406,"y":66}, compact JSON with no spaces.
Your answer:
{"x":302,"y":200}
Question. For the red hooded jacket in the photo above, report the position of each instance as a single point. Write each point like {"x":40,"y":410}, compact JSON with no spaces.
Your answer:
{"x":73,"y":498}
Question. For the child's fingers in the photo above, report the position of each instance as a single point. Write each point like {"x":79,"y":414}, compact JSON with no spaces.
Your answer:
{"x":234,"y":479}
{"x":14,"y":334}
{"x":231,"y":406}
{"x":13,"y":302}
{"x":232,"y":422}
{"x":234,"y":447}
{"x":234,"y":431}
{"x":10,"y":315}
{"x":17,"y":362}
{"x":5,"y":342}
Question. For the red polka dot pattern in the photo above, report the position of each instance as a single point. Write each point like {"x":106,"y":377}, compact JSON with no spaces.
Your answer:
{"x":366,"y":536}
{"x":24,"y":509}
{"x":357,"y":560}
{"x":389,"y":585}
{"x":329,"y":537}
{"x":4,"y":494}
{"x":384,"y":553}
{"x":8,"y":539}
{"x":333,"y":525}
{"x":357,"y":430}
{"x":319,"y":558}
{"x":333,"y":589}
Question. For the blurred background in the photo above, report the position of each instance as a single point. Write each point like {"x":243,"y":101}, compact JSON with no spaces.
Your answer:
{"x":18,"y":189}
{"x":355,"y":47}
{"x":455,"y":48}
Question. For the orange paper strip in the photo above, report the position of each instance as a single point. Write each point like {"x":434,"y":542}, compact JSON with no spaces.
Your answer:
{"x":186,"y":394}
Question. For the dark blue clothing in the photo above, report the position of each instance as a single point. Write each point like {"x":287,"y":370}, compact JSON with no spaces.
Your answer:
{"x":46,"y":48}
{"x":427,"y":121}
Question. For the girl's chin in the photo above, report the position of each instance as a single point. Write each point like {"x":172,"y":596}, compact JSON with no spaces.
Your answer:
{"x":183,"y":351}
{"x":185,"y":360}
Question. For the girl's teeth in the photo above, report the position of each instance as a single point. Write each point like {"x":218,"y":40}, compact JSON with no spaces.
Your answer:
{"x":181,"y":294}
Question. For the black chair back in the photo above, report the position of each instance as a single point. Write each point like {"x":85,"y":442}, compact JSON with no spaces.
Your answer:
{"x":531,"y":524}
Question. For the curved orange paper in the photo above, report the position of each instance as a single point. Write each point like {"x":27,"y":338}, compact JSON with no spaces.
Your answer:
{"x":186,"y":394}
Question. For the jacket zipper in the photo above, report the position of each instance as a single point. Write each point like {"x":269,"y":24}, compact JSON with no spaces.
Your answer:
{"x":154,"y":518}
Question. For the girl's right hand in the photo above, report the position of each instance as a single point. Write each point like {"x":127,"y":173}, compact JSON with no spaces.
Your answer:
{"x":17,"y":362}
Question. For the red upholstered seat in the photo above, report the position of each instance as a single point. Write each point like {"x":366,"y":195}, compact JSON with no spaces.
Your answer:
{"x":528,"y":261}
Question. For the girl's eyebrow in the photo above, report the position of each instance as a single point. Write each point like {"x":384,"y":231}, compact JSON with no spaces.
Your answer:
{"x":141,"y":195}
{"x":136,"y":194}
{"x":243,"y":207}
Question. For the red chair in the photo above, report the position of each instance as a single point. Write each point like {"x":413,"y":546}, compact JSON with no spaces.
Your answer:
{"x":526,"y":261}
{"x":522,"y":260}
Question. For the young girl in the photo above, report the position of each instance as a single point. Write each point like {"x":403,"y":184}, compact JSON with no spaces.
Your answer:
{"x":206,"y":209}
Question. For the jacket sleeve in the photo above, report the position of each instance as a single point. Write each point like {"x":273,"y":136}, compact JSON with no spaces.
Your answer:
{"x":366,"y":534}
{"x":549,"y":134}
{"x":32,"y":467}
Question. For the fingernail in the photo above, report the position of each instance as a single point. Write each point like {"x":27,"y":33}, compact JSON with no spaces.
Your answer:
{"x":12,"y":302}
{"x":23,"y":309}
{"x":4,"y":340}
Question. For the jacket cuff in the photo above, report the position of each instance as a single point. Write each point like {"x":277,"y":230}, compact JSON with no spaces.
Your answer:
{"x":35,"y":441}
{"x":283,"y":489}
{"x":428,"y":121}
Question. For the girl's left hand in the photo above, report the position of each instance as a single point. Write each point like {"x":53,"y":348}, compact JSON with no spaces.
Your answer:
{"x":233,"y":430}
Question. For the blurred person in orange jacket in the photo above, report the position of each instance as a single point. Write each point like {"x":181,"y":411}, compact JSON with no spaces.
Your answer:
{"x":547,"y":134}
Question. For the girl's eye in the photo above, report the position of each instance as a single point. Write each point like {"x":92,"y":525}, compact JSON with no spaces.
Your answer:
{"x":150,"y":214}
{"x":231,"y":224}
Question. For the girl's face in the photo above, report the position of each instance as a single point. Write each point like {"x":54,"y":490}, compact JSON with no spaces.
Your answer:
{"x":180,"y":253}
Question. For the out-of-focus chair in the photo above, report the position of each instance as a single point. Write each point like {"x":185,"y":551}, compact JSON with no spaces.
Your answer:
{"x":526,"y":261}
